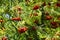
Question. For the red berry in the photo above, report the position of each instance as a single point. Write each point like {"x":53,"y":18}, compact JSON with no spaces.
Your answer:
{"x":36,"y":7}
{"x":4,"y":38}
{"x":1,"y":20}
{"x":22,"y":30}
{"x":58,"y":4}
{"x":54,"y":24}
{"x":17,"y":18}
{"x":48,"y":17}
